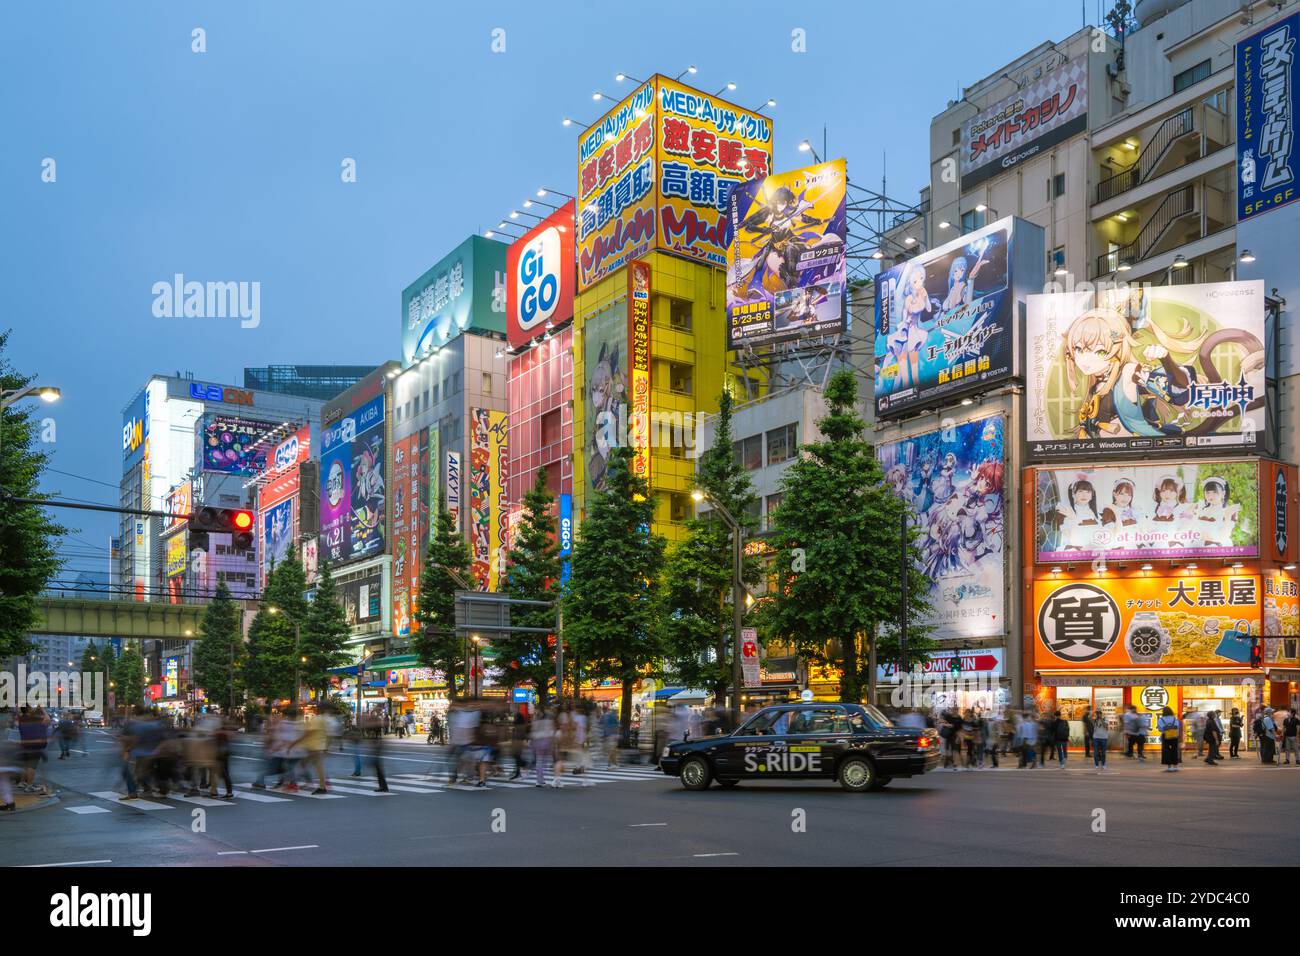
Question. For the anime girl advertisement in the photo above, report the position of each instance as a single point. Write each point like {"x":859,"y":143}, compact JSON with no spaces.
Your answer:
{"x":944,"y":321}
{"x":786,"y":260}
{"x":368,"y":494}
{"x":277,"y":534}
{"x":954,"y":481}
{"x":1141,"y":512}
{"x":1125,"y":371}
{"x":605,"y":404}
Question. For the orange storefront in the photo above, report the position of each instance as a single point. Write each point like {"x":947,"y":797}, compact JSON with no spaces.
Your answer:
{"x":1179,"y":620}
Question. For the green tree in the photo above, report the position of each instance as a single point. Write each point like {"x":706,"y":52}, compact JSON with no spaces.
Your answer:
{"x":532,"y":574}
{"x":90,"y":658}
{"x":613,"y":605}
{"x":273,"y":651}
{"x":698,"y":576}
{"x":219,"y":654}
{"x":28,"y":535}
{"x":324,"y":634}
{"x":837,"y":552}
{"x":436,"y":640}
{"x":128,"y":676}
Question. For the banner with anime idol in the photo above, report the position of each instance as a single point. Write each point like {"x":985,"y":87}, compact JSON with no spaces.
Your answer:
{"x":945,"y":321}
{"x":954,"y":482}
{"x":1157,"y":372}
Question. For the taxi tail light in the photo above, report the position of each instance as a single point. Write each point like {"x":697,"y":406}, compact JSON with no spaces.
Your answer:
{"x":924,"y":742}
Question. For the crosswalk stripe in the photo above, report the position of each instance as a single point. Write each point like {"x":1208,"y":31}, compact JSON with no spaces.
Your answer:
{"x":89,"y":808}
{"x":355,"y":791}
{"x":260,"y":797}
{"x":392,"y":785}
{"x":201,"y":801}
{"x":112,"y":796}
{"x":306,"y":794}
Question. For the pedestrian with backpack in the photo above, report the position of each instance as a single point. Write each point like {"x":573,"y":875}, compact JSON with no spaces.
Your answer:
{"x":1100,"y":740}
{"x":1290,"y":740}
{"x":1170,"y":729}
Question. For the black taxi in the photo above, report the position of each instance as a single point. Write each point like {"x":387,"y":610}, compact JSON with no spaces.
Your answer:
{"x":853,"y":743}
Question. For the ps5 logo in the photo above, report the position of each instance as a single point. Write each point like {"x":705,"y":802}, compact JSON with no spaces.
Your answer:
{"x":539,"y":279}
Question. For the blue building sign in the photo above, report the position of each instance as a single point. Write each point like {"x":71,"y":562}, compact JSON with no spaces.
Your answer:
{"x":1268,"y":150}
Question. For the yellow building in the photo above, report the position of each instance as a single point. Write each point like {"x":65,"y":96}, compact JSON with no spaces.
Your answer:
{"x":689,"y":367}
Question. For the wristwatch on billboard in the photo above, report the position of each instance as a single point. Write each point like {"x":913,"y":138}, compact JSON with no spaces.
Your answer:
{"x":1146,"y":641}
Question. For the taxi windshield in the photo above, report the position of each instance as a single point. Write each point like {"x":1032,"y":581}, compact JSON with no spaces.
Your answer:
{"x":876,"y":716}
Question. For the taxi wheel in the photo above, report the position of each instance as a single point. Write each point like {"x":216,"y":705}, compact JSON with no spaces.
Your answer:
{"x":727,"y":784}
{"x":695,"y":774}
{"x":858,"y":774}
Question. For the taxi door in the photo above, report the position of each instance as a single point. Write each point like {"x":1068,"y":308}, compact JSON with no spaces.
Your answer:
{"x":748,"y":753}
{"x":815,"y":739}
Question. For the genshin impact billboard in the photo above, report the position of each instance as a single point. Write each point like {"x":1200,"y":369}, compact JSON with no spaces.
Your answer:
{"x":1156,"y":372}
{"x":953,"y":480}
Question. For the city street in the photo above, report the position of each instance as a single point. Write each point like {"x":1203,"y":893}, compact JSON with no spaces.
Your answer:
{"x":634,"y":816}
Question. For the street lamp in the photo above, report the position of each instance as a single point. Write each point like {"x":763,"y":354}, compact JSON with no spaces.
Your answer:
{"x":46,"y":393}
{"x":737,"y":592}
{"x":807,"y":147}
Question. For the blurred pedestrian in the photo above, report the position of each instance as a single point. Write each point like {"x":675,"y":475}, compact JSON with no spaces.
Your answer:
{"x":200,"y":752}
{"x":1061,"y":737}
{"x":518,"y":730}
{"x":970,"y":737}
{"x":1267,"y":733}
{"x":1170,"y":730}
{"x":1027,"y":734}
{"x":609,"y":736}
{"x":541,"y":740}
{"x":33,"y":738}
{"x":1046,"y":738}
{"x":1290,"y":740}
{"x":1087,"y":734}
{"x":1135,"y":737}
{"x":990,"y":736}
{"x":68,"y":731}
{"x":1235,"y":724}
{"x":1100,"y":733}
{"x":1213,"y":737}
{"x":313,"y":743}
{"x":950,"y":733}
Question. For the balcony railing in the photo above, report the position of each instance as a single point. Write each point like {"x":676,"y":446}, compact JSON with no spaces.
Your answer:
{"x":1174,"y":206}
{"x":1173,"y":128}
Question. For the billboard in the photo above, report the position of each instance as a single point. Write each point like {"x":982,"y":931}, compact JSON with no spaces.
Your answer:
{"x":352,"y":498}
{"x":655,"y":172}
{"x":1282,"y":619}
{"x":277,"y":535}
{"x":1178,"y":510}
{"x":488,"y":518}
{"x":453,"y":487}
{"x":1159,"y":371}
{"x":177,"y":555}
{"x":410,"y":517}
{"x":179,"y":505}
{"x":638,"y":348}
{"x":786,"y":263}
{"x":1193,"y":619}
{"x":945,"y":320}
{"x":234,"y":445}
{"x":605,"y":386}
{"x":135,"y":429}
{"x":363,"y":598}
{"x":466,"y":288}
{"x":1036,"y":117}
{"x":1277,"y":487}
{"x":540,"y":277}
{"x":1268,"y":149}
{"x":954,"y":481}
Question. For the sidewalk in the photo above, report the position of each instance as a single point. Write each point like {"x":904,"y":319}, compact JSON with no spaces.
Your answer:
{"x":24,"y":801}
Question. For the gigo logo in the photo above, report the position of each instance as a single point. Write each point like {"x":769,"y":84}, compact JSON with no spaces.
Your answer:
{"x":286,"y":454}
{"x":539,"y":279}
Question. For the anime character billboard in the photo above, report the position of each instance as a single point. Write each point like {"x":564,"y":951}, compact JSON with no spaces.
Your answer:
{"x":954,"y":481}
{"x":1136,"y":371}
{"x":944,"y":321}
{"x":235,"y":446}
{"x":605,"y":398}
{"x":786,"y":260}
{"x":277,"y":535}
{"x":352,"y":501}
{"x":1178,"y":510}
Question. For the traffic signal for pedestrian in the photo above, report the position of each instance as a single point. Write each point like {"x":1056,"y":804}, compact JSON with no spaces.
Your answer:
{"x":1256,"y":652}
{"x":235,"y":522}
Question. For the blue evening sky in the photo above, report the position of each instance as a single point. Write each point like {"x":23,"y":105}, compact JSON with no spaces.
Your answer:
{"x":225,"y":165}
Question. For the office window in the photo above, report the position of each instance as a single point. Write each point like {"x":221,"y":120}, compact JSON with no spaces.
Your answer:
{"x":487,"y":383}
{"x":1192,"y":76}
{"x":772,"y":503}
{"x":749,"y":452}
{"x":781,"y":443}
{"x":970,"y":220}
{"x":1055,"y":260}
{"x":679,"y":315}
{"x":680,"y":507}
{"x":956,"y":136}
{"x":681,"y":378}
{"x":1058,"y":185}
{"x":551,"y":427}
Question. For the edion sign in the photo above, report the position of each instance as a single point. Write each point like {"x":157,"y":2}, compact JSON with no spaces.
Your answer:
{"x":540,"y":266}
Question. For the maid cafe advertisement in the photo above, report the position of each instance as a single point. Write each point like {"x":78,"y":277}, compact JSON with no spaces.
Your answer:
{"x":954,"y":481}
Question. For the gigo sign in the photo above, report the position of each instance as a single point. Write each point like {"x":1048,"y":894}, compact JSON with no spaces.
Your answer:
{"x":539,"y":264}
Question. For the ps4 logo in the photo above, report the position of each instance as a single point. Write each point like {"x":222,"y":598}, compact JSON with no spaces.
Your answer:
{"x":215,"y":393}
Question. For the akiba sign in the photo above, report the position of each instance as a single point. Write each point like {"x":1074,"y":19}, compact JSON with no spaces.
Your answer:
{"x":540,"y":267}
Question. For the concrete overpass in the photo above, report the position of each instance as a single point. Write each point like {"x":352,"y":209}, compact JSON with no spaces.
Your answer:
{"x":149,"y":620}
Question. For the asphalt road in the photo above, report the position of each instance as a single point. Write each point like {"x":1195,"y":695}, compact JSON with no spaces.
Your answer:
{"x":1237,"y":814}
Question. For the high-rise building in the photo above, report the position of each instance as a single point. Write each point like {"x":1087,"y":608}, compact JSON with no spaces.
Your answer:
{"x":305,"y":381}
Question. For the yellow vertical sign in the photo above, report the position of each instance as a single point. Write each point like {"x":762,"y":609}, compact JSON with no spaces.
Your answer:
{"x":498,"y":510}
{"x":638,"y":296}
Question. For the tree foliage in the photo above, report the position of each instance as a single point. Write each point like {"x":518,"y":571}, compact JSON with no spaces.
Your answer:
{"x":613,"y":607}
{"x":128,"y":676}
{"x":698,"y":575}
{"x":28,"y":535}
{"x":436,"y":641}
{"x":324,"y":634}
{"x":837,"y":552}
{"x":272,"y":637}
{"x":219,"y":654}
{"x":532,"y":574}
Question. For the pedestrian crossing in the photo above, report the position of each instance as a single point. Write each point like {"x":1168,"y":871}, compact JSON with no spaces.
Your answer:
{"x":362,"y":787}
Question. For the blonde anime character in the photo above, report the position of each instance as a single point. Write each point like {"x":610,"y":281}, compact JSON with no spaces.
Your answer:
{"x":1125,"y":391}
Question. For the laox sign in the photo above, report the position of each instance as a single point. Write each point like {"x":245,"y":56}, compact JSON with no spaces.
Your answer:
{"x":216,"y":393}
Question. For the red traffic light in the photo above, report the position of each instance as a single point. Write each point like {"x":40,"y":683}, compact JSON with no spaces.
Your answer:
{"x":243,"y":520}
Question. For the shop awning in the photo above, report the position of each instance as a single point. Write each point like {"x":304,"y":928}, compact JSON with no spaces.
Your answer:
{"x":350,"y":671}
{"x":693,"y":693}
{"x":667,"y":692}
{"x":396,"y":662}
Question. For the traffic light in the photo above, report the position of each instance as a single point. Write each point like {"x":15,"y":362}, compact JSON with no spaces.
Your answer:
{"x":235,"y":522}
{"x":1256,"y":652}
